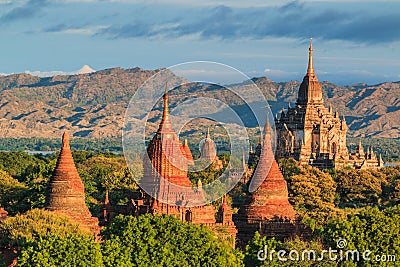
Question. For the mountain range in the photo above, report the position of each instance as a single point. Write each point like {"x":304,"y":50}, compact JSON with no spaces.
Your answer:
{"x":92,"y":104}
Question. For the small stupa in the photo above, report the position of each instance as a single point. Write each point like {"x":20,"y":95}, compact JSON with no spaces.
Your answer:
{"x":67,"y":192}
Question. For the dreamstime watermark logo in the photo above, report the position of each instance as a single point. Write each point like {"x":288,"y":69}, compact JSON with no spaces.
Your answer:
{"x":247,"y":107}
{"x":340,"y":253}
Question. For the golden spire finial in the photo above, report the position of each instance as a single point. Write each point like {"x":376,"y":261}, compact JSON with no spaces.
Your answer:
{"x":310,"y":70}
{"x":208,"y":132}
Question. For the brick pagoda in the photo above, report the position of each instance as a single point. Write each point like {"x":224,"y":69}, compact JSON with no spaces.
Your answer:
{"x":165,"y":186}
{"x":209,"y":151}
{"x":67,"y":193}
{"x":267,"y":209}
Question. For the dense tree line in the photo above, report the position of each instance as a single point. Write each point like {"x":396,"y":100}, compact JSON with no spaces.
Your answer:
{"x":24,"y":179}
{"x":360,"y":206}
{"x":388,"y":148}
{"x":364,"y":237}
{"x":53,"y":144}
{"x":48,"y":239}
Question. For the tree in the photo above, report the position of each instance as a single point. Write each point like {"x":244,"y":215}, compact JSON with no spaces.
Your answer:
{"x":32,"y":174}
{"x":61,"y":250}
{"x":261,"y":251}
{"x":370,"y":229}
{"x":360,"y":187}
{"x":44,"y":238}
{"x":12,"y":193}
{"x":163,"y":241}
{"x":391,"y":189}
{"x":22,"y":229}
{"x":111,"y":173}
{"x":260,"y":246}
{"x":100,"y":173}
{"x":312,"y":192}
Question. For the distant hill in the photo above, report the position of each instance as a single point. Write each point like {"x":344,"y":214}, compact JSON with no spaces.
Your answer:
{"x":92,"y":105}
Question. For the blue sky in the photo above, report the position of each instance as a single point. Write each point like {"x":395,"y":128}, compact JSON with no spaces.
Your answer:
{"x":354,"y":41}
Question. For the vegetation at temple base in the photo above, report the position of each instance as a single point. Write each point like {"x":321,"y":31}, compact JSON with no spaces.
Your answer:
{"x":164,"y":241}
{"x":323,"y":195}
{"x":370,"y":229}
{"x":361,"y":206}
{"x":364,"y":229}
{"x":26,"y":228}
{"x":48,"y":239}
{"x":270,"y":248}
{"x":55,"y":250}
{"x":101,"y":172}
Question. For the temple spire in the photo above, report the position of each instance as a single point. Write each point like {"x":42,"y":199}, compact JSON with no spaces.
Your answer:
{"x":208,"y":133}
{"x":65,"y":141}
{"x":310,"y":69}
{"x":224,"y":202}
{"x":165,"y":122}
{"x":165,"y":110}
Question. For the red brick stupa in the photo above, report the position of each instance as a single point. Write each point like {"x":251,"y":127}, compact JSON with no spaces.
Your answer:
{"x":270,"y":200}
{"x":67,"y":194}
{"x":187,"y":153}
{"x":209,"y":152}
{"x":267,"y":209}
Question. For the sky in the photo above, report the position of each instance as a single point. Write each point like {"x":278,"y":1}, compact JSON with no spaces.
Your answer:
{"x":354,"y":41}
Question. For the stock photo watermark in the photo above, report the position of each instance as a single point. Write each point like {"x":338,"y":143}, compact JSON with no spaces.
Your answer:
{"x":340,"y":253}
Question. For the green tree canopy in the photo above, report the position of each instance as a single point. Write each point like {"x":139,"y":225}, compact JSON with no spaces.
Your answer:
{"x":370,"y":229}
{"x":163,"y":241}
{"x":25,"y":228}
{"x":61,"y":250}
{"x":312,"y":192}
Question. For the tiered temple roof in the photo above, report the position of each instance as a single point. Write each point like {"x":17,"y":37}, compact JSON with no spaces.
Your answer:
{"x":166,"y":166}
{"x":168,"y":188}
{"x":310,"y":132}
{"x":314,"y":134}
